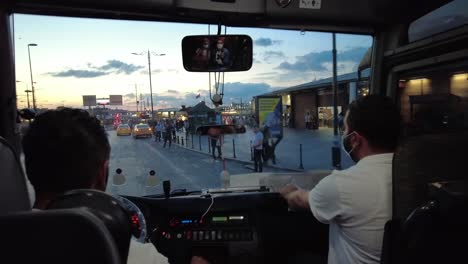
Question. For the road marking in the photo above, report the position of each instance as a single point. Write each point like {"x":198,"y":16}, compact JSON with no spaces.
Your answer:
{"x":171,"y":165}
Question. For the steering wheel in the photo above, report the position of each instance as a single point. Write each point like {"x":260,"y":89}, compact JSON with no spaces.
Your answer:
{"x":137,"y":219}
{"x":120,"y":215}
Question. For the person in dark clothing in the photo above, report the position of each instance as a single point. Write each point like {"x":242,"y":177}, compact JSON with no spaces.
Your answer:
{"x":266,"y":144}
{"x":173,"y":124}
{"x":168,"y":134}
{"x":215,"y":141}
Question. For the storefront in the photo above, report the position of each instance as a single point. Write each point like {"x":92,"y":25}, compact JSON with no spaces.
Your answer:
{"x":314,"y":101}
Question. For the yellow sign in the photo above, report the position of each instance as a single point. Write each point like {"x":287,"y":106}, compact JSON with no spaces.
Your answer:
{"x":270,"y":114}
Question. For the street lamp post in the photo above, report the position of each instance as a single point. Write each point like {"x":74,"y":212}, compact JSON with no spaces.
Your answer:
{"x":27,"y":91}
{"x":30,"y":70}
{"x":149,"y":72}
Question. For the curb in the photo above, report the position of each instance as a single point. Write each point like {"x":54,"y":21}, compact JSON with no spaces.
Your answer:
{"x":240,"y":160}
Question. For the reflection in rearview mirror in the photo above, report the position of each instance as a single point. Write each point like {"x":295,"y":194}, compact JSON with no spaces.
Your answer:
{"x":213,"y":53}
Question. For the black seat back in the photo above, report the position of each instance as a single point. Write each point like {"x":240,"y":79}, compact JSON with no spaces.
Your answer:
{"x":56,"y":236}
{"x":423,"y":159}
{"x":416,"y":222}
{"x":13,"y":192}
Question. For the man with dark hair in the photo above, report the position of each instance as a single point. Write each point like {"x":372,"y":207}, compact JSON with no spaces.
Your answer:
{"x":357,"y":202}
{"x":68,"y":149}
{"x":65,"y":150}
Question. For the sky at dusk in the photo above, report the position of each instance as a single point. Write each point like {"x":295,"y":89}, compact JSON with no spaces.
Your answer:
{"x":77,"y":56}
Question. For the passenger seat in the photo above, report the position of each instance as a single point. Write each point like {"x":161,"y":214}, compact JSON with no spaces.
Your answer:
{"x":53,"y":236}
{"x":428,"y":226}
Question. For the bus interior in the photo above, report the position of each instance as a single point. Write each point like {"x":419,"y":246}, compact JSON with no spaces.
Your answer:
{"x":419,"y":57}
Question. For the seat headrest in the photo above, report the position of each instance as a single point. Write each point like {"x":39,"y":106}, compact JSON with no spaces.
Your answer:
{"x":13,"y":191}
{"x":56,"y":236}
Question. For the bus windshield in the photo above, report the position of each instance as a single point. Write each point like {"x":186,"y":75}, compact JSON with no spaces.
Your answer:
{"x":131,"y":72}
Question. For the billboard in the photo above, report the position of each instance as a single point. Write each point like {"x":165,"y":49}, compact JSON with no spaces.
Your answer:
{"x":269,"y":112}
{"x":115,"y":100}
{"x":89,"y":100}
{"x":102,"y":101}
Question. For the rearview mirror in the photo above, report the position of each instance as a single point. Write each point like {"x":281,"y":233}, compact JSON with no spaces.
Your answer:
{"x":217,"y":53}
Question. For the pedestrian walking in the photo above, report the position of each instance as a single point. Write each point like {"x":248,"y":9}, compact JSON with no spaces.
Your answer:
{"x":307,"y":120}
{"x":168,"y":135}
{"x":159,"y":128}
{"x":215,"y":141}
{"x":186,"y":127}
{"x":257,"y":145}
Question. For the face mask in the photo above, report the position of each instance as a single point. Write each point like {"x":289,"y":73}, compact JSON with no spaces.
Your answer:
{"x":206,"y":46}
{"x":346,"y":145}
{"x":220,"y":46}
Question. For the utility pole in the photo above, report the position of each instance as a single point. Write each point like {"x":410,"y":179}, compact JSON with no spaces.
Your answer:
{"x":143,"y":106}
{"x":136,"y":96}
{"x":336,"y":150}
{"x":30,"y":71}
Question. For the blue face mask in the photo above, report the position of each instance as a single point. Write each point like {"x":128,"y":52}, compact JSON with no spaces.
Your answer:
{"x":346,"y":145}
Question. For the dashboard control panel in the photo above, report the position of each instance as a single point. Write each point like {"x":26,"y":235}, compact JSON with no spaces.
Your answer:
{"x":216,"y":227}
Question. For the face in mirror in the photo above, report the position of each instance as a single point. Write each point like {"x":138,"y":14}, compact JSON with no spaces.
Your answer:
{"x":212,"y":53}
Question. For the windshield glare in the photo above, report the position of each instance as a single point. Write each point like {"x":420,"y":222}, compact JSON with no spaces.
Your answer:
{"x":91,"y":63}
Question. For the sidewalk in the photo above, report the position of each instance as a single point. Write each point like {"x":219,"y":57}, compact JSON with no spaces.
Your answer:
{"x":316,"y":148}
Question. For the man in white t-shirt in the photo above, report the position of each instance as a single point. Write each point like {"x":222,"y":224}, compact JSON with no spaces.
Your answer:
{"x":68,"y":149}
{"x":357,"y":202}
{"x":257,"y":145}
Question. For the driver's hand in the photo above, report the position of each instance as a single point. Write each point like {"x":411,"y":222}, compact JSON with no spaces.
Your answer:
{"x":285,"y":190}
{"x":297,"y":198}
{"x":198,"y":260}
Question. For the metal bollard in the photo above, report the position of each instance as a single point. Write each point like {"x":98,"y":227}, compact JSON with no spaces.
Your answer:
{"x":301,"y":166}
{"x":234,"y":147}
{"x":192,"y":141}
{"x":199,"y":141}
{"x":251,"y":151}
{"x":182,"y":141}
{"x":178,"y":142}
{"x":209,"y":144}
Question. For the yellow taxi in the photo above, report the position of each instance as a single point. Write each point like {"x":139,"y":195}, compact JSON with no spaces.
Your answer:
{"x":142,"y":130}
{"x":124,"y":130}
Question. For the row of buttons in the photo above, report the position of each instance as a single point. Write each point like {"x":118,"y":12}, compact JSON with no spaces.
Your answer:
{"x":211,"y":235}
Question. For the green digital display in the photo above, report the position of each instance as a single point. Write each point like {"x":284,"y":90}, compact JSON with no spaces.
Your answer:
{"x":219,"y":219}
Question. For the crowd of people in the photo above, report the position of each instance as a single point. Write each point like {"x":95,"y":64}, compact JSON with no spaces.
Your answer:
{"x":165,"y":129}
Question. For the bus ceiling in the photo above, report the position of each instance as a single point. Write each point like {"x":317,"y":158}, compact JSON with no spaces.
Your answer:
{"x":358,"y":16}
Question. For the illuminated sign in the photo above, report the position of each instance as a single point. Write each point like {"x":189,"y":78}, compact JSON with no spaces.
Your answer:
{"x":102,"y":101}
{"x":269,"y":110}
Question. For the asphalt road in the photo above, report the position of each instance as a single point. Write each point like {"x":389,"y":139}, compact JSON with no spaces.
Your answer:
{"x":183,"y":167}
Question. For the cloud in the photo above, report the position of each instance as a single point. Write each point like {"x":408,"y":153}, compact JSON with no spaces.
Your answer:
{"x":120,"y":67}
{"x":267,"y":73}
{"x":154,"y":71}
{"x":129,"y":96}
{"x":234,"y":91}
{"x":111,"y":67}
{"x":269,"y":55}
{"x":78,"y":73}
{"x":173,"y":91}
{"x":266,"y":42}
{"x":316,"y":61}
